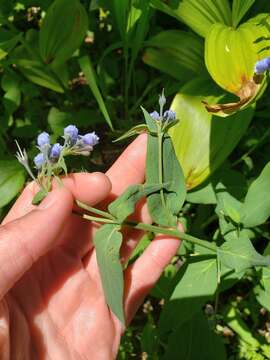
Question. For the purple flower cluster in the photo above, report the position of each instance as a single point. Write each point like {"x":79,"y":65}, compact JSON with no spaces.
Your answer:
{"x":169,"y":115}
{"x":74,"y":144}
{"x":262,"y":65}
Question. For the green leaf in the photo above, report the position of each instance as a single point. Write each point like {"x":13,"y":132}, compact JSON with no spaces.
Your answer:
{"x":125,"y":204}
{"x":218,"y":137}
{"x":227,"y":204}
{"x":12,"y":179}
{"x":62,"y":31}
{"x":135,"y":130}
{"x":8,"y":40}
{"x":239,"y":9}
{"x":239,"y":254}
{"x":89,"y":73}
{"x":185,"y":48}
{"x":256,"y":209}
{"x":197,"y":283}
{"x":199,"y":15}
{"x":163,"y":60}
{"x":107,"y":243}
{"x":195,"y":340}
{"x":12,"y":98}
{"x":175,"y":193}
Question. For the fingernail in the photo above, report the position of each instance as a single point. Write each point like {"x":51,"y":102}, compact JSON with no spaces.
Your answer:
{"x":49,"y":200}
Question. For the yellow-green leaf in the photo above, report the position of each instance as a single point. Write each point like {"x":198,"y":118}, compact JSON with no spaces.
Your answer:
{"x":230,"y":56}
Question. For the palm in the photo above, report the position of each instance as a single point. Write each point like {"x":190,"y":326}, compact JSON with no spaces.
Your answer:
{"x":62,"y":302}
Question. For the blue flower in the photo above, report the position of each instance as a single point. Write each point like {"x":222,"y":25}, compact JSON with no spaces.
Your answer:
{"x":43,"y":139}
{"x":170,"y":115}
{"x":55,"y":151}
{"x":71,"y":132}
{"x":90,"y":139}
{"x":262,"y":65}
{"x":39,"y":160}
{"x":155,"y":115}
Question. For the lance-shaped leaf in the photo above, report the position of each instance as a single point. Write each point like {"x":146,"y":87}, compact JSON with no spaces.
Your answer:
{"x":135,"y":130}
{"x":124,"y":206}
{"x":62,"y":31}
{"x":163,"y":168}
{"x":201,"y":140}
{"x":239,"y":9}
{"x":256,"y":209}
{"x":239,"y":254}
{"x":107,"y":243}
{"x":230,"y":56}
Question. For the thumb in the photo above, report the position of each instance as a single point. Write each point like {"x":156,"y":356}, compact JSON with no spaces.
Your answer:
{"x":26,"y":239}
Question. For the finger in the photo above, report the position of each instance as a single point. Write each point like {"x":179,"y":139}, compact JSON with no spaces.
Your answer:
{"x":141,"y":276}
{"x":25,"y":240}
{"x":90,"y":188}
{"x":129,"y":168}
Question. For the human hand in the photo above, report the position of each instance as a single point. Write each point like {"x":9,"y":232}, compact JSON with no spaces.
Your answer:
{"x":52,"y":304}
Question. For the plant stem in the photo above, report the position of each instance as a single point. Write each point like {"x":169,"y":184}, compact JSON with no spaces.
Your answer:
{"x":173,"y":232}
{"x":98,"y":219}
{"x":94,"y":210}
{"x":160,"y":164}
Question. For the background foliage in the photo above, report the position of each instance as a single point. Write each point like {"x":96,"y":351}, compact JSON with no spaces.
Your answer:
{"x":92,"y":63}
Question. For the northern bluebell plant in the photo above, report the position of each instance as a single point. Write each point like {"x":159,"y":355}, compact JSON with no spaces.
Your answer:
{"x":50,"y":161}
{"x":165,"y":193}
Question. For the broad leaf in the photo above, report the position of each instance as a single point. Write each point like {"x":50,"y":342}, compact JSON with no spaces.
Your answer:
{"x":197,"y":283}
{"x":125,"y":204}
{"x":107,"y":243}
{"x":195,"y":339}
{"x":239,"y":9}
{"x":256,"y":208}
{"x":185,"y":48}
{"x":62,"y":31}
{"x":227,"y":204}
{"x":217,"y":137}
{"x":199,"y":15}
{"x":12,"y":179}
{"x":239,"y":254}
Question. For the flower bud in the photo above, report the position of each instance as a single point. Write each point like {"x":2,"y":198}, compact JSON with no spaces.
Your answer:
{"x":162,"y":100}
{"x":90,"y":139}
{"x":43,"y":139}
{"x":71,"y":132}
{"x":39,"y":160}
{"x":262,"y":65}
{"x":55,"y":151}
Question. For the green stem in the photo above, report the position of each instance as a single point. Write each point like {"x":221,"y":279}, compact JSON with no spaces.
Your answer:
{"x":173,"y":232}
{"x":94,"y":210}
{"x":160,"y":164}
{"x":98,"y":219}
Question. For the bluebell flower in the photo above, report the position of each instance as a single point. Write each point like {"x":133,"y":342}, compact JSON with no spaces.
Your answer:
{"x":262,"y":65}
{"x":71,"y":132}
{"x":43,"y":139}
{"x":90,"y":139}
{"x":170,"y":115}
{"x":39,"y":160}
{"x":155,"y":115}
{"x":55,"y":151}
